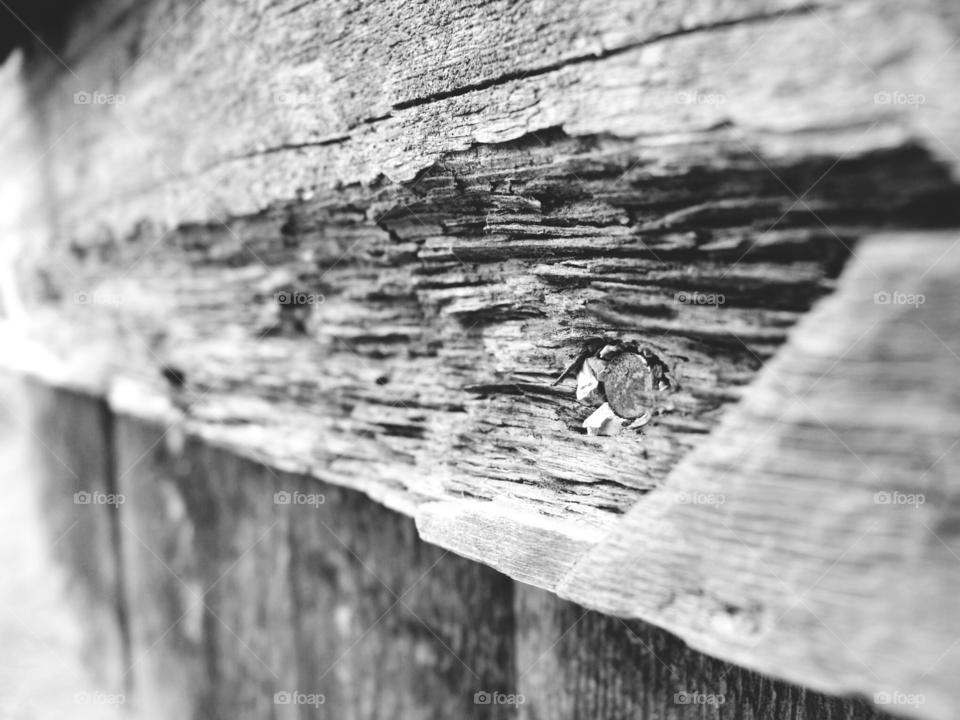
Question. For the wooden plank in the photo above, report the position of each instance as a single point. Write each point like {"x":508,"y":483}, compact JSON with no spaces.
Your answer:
{"x":236,"y":598}
{"x":171,"y":563}
{"x":194,"y":142}
{"x":451,"y":298}
{"x":467,"y":240}
{"x":69,"y":436}
{"x":397,"y":627}
{"x":792,"y":548}
{"x":576,"y":663}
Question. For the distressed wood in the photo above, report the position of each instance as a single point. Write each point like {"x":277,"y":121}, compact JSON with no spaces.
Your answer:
{"x":577,"y":663}
{"x":466,"y":242}
{"x":471,"y":212}
{"x":768,"y":545}
{"x":205,"y":140}
{"x":237,"y":597}
{"x":311,"y":594}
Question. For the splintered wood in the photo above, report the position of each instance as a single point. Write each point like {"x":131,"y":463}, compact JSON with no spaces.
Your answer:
{"x":360,"y":244}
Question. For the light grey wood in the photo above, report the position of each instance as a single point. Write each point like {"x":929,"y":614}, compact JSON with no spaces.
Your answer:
{"x":783,"y":556}
{"x":71,"y":456}
{"x":576,"y":663}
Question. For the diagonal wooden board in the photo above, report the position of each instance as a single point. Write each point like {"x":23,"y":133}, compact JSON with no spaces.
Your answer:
{"x":768,"y":545}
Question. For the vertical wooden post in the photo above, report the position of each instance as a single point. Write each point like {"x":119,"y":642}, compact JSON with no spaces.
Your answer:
{"x":71,"y":448}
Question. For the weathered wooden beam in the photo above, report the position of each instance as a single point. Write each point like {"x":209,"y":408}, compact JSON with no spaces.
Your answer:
{"x":197,"y":143}
{"x":468,"y":231}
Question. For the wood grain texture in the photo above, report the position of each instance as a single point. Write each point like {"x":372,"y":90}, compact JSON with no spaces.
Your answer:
{"x":814,"y":534}
{"x":424,"y":375}
{"x":308,"y":596}
{"x":576,"y":663}
{"x":237,"y":597}
{"x":205,"y":140}
{"x":466,"y":237}
{"x":470,"y":216}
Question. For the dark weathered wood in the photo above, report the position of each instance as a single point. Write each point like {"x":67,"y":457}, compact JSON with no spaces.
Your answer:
{"x":465,"y":245}
{"x":306,"y":598}
{"x":576,"y":663}
{"x":238,"y":597}
{"x":475,"y":191}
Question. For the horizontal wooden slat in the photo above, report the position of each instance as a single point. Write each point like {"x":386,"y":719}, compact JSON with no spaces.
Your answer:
{"x":233,"y":597}
{"x":468,"y":231}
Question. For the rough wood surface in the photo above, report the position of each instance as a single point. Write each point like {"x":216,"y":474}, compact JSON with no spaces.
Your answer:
{"x":576,"y":663}
{"x":200,"y":136}
{"x":815,"y":533}
{"x":238,"y":597}
{"x":293,"y":594}
{"x":468,"y":228}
